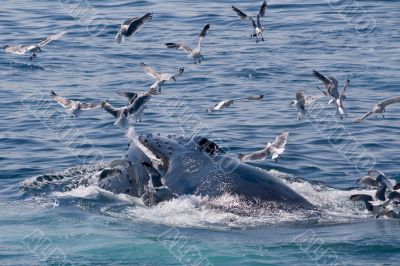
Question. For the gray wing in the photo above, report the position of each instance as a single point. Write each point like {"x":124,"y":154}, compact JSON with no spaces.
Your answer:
{"x":203,"y":33}
{"x":301,"y":100}
{"x":330,"y":84}
{"x":179,"y":46}
{"x":363,"y":198}
{"x":60,"y":100}
{"x":52,"y":38}
{"x":242,"y":15}
{"x":110,"y":109}
{"x":130,"y":95}
{"x":280,"y":141}
{"x":259,"y":155}
{"x":141,"y":101}
{"x":180,"y":72}
{"x":137,"y":23}
{"x":359,"y":120}
{"x":263,"y":7}
{"x":129,"y":21}
{"x":151,"y":72}
{"x":89,"y":106}
{"x":389,"y":101}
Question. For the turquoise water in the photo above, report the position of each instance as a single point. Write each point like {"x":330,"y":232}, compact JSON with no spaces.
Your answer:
{"x":66,"y":222}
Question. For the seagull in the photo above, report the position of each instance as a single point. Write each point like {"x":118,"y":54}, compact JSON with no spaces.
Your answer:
{"x":34,"y":48}
{"x":258,"y":28}
{"x":135,"y":108}
{"x":131,"y":26}
{"x":226,"y":103}
{"x":331,"y":86}
{"x":74,"y":108}
{"x":301,"y":102}
{"x":273,"y":149}
{"x":194,"y":53}
{"x":160,"y":78}
{"x":379,"y":108}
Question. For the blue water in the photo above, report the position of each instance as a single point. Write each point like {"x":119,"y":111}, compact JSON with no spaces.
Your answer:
{"x":82,"y":225}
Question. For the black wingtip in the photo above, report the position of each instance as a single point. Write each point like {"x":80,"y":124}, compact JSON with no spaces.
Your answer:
{"x":52,"y":93}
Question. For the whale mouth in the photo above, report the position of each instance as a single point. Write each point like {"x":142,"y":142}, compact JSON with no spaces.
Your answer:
{"x":155,"y":148}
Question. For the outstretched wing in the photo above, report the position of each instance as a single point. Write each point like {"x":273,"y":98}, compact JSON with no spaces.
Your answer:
{"x":300,"y":97}
{"x":203,"y":33}
{"x":130,"y":95}
{"x":322,"y":78}
{"x":359,"y":120}
{"x":110,"y":109}
{"x":137,"y":23}
{"x":151,"y":72}
{"x":52,"y":38}
{"x":242,"y":15}
{"x":389,"y":101}
{"x":89,"y":106}
{"x":60,"y":100}
{"x":280,"y":141}
{"x":263,"y":7}
{"x":179,"y":46}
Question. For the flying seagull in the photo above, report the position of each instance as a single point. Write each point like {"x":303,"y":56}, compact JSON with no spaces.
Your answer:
{"x":301,"y":102}
{"x":379,"y":108}
{"x":226,"y":103}
{"x":258,"y":28}
{"x":331,"y":86}
{"x":131,"y":26}
{"x":273,"y":149}
{"x":135,"y":108}
{"x":194,"y":53}
{"x":34,"y":48}
{"x":160,"y":78}
{"x":74,"y":108}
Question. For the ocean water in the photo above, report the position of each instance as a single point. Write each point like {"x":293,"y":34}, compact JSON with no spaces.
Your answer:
{"x":70,"y":221}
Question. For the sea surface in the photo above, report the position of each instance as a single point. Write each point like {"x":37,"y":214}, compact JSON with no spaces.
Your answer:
{"x":62,"y":222}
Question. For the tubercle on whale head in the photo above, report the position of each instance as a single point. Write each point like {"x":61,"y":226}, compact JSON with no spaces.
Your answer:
{"x":161,"y":147}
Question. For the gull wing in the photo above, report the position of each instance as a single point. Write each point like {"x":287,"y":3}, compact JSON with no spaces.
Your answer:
{"x":179,"y":46}
{"x":321,"y":77}
{"x":300,"y":97}
{"x":141,"y":101}
{"x":263,"y":7}
{"x":203,"y":33}
{"x":137,"y":23}
{"x":280,"y":141}
{"x":259,"y":155}
{"x":60,"y":100}
{"x":242,"y":15}
{"x":151,"y":72}
{"x":359,"y":120}
{"x":130,"y":95}
{"x":389,"y":101}
{"x":52,"y":38}
{"x":110,"y":109}
{"x":89,"y":106}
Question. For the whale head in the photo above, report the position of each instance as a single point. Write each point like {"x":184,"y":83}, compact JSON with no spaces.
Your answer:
{"x":164,"y":148}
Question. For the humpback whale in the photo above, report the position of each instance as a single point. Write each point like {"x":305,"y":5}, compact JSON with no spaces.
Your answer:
{"x":159,"y":169}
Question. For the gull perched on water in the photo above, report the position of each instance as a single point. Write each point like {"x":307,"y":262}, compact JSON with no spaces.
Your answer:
{"x":273,"y":149}
{"x":194,"y":53}
{"x":131,"y":26}
{"x":160,"y":78}
{"x":331,"y":86}
{"x":379,"y":108}
{"x":258,"y":28}
{"x":301,"y":102}
{"x":135,"y":108}
{"x":74,"y":108}
{"x":226,"y":103}
{"x":34,"y":48}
